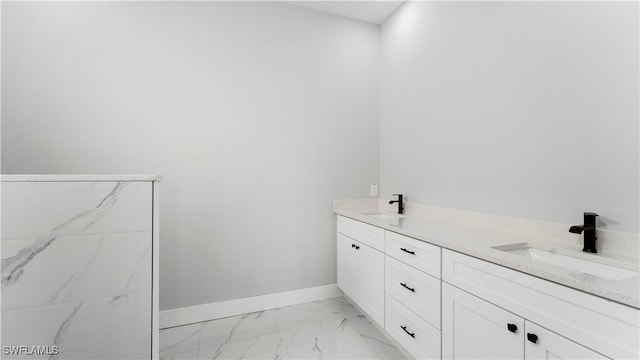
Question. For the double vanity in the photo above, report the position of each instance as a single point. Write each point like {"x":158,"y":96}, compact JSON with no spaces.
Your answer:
{"x":446,"y":291}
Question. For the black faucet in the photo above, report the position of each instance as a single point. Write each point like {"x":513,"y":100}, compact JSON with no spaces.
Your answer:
{"x":589,"y":228}
{"x":400,"y":203}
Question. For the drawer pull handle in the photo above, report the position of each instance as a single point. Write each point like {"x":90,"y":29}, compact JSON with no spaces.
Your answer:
{"x":512,"y":327}
{"x":353,"y":246}
{"x":408,"y":288}
{"x":532,"y":337}
{"x":408,"y":251}
{"x":357,"y":247}
{"x":413,"y":335}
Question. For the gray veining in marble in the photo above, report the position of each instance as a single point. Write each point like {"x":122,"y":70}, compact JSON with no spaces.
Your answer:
{"x":71,"y":277}
{"x":327,"y":329}
{"x":58,"y":339}
{"x":13,"y":267}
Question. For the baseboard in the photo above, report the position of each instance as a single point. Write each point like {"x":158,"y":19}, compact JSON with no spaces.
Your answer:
{"x":211,"y":311}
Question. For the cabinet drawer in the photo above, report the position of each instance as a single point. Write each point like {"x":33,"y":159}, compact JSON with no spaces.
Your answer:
{"x":365,"y":233}
{"x":414,"y":289}
{"x":417,"y":336}
{"x":609,"y":328}
{"x":424,"y":257}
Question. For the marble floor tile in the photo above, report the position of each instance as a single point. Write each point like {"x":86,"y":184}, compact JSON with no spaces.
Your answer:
{"x":180,"y":339}
{"x":240,"y":327}
{"x":324,"y":341}
{"x":326,"y":329}
{"x":375,"y":340}
{"x":189,"y":355}
{"x":307,"y":314}
{"x":270,"y":346}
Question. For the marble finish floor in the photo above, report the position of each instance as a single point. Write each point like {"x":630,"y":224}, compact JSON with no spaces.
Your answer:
{"x":326,"y":329}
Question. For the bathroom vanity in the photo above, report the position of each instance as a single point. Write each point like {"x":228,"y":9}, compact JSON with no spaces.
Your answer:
{"x":79,"y":266}
{"x":445,"y":291}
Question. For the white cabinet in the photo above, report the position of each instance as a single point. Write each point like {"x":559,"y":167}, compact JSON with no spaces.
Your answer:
{"x":475,"y":329}
{"x":419,"y":254}
{"x":371,"y":278}
{"x":541,"y":343}
{"x":416,"y":336}
{"x":347,"y":266}
{"x":437,"y":303}
{"x":414,"y":289}
{"x":361,"y":267}
{"x":584,"y":321}
{"x":365,"y":233}
{"x":412,"y":285}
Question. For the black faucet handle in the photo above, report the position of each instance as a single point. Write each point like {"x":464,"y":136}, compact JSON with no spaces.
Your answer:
{"x":590,"y":220}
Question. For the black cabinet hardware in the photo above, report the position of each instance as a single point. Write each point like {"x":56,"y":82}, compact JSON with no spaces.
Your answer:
{"x":532,"y":337}
{"x":413,"y":335}
{"x":353,"y":245}
{"x":357,"y":247}
{"x":512,"y":327}
{"x":408,"y":251}
{"x":408,"y":288}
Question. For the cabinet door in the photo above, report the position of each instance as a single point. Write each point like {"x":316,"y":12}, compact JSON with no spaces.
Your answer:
{"x":543,"y":344}
{"x":348,"y":266}
{"x":371,"y":276}
{"x":475,"y":329}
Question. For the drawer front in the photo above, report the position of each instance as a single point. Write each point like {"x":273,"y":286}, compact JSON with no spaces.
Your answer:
{"x":365,"y":233}
{"x":609,"y":328}
{"x":415,"y":335}
{"x":414,"y":289}
{"x":422,"y":256}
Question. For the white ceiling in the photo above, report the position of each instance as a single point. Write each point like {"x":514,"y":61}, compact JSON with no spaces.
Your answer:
{"x":375,"y":11}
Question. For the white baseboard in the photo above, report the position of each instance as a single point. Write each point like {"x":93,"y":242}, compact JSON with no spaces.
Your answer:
{"x":211,"y":311}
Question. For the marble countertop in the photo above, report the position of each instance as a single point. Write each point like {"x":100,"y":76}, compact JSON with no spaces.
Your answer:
{"x":74,"y":177}
{"x":481,"y":244}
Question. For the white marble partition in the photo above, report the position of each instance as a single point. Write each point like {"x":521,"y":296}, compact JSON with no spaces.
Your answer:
{"x":36,"y":209}
{"x":77,"y":268}
{"x":102,"y":328}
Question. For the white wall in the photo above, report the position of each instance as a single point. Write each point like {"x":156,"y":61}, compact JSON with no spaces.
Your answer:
{"x":257,"y":115}
{"x":518,"y":108}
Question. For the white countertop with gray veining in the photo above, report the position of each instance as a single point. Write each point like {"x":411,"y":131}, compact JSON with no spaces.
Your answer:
{"x":480,"y":244}
{"x":75,"y":177}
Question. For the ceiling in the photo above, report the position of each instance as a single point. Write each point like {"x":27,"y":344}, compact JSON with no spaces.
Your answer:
{"x":375,"y":11}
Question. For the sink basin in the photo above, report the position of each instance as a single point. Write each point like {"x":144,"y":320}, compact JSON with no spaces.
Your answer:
{"x":579,"y":265}
{"x":382,"y":216}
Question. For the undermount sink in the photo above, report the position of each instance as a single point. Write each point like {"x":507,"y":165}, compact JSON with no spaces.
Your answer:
{"x":382,"y":216}
{"x":579,"y":265}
